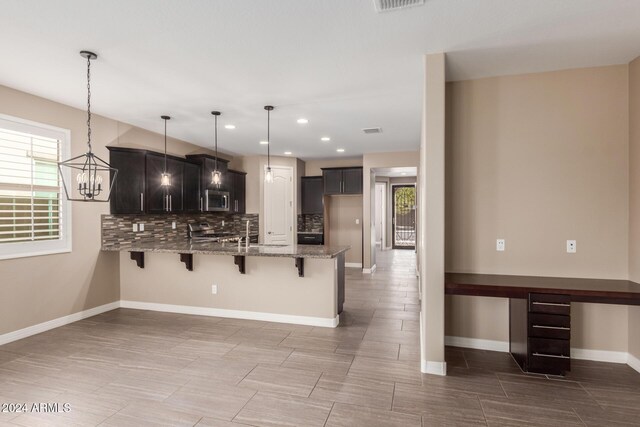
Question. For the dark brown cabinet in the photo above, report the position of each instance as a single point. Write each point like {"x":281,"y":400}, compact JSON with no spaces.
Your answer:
{"x":236,"y":186}
{"x":161,"y":199}
{"x":191,"y":188}
{"x":342,"y":180}
{"x":311,"y":194}
{"x":127,"y":196}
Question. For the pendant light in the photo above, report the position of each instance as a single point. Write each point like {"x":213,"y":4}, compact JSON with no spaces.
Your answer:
{"x":165,"y":178}
{"x":216,"y":177}
{"x":91,"y":171}
{"x":268,"y":176}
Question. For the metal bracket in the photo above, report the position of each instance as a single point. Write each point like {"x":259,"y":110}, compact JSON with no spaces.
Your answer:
{"x":138,"y":257}
{"x":239,"y":261}
{"x":188,"y":261}
{"x":300,"y":266}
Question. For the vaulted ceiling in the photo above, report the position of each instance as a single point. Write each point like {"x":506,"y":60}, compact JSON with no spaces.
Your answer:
{"x":337,"y":63}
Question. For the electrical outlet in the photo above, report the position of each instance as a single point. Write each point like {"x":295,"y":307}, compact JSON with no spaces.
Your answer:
{"x":571,"y":246}
{"x":173,"y":225}
{"x":214,"y":289}
{"x":357,"y":220}
{"x":141,"y":226}
{"x":500,"y":245}
{"x":223,"y":222}
{"x":135,"y":228}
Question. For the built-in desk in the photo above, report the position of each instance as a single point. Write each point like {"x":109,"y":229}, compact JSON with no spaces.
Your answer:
{"x":540,"y":311}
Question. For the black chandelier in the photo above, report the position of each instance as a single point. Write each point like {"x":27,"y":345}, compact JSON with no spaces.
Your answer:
{"x":216,"y":176}
{"x":91,"y":171}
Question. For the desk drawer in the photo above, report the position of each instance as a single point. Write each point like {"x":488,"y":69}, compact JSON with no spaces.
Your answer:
{"x":549,"y":347}
{"x":548,"y":364}
{"x":550,"y":304}
{"x":538,"y":329}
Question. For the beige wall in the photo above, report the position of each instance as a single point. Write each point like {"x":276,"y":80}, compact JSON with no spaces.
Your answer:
{"x":164,"y":280}
{"x":343,"y":230}
{"x":634,"y":199}
{"x":538,"y":159}
{"x":431,"y":220}
{"x":67,"y":283}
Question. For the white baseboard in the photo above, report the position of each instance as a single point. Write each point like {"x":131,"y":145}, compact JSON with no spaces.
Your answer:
{"x":576,"y":353}
{"x":56,"y":323}
{"x":634,"y":362}
{"x":233,"y":314}
{"x":353,"y":264}
{"x":370,"y":270}
{"x":433,"y":368}
{"x":477,"y":344}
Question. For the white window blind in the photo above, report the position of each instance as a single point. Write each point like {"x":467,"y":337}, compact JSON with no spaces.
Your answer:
{"x":32,"y":213}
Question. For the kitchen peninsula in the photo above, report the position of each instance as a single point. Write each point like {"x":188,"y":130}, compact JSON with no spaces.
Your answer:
{"x":291,"y":284}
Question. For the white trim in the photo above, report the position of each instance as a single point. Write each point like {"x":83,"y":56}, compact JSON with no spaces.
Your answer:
{"x":599,"y":355}
{"x":433,"y":368}
{"x":477,"y":344}
{"x":633,"y":361}
{"x":56,"y":323}
{"x":353,"y":264}
{"x":233,"y":314}
{"x":370,"y":270}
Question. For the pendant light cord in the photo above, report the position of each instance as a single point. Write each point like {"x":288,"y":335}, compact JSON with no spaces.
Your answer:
{"x":216,"y":141}
{"x":268,"y":139}
{"x":165,"y":146}
{"x":89,"y":102}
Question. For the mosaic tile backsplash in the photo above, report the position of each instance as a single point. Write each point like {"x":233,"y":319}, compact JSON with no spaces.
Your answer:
{"x":311,"y":222}
{"x":118,"y":229}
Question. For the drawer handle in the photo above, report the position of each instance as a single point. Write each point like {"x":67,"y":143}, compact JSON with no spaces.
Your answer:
{"x":555,"y":356}
{"x":563,"y":328}
{"x":555,"y":304}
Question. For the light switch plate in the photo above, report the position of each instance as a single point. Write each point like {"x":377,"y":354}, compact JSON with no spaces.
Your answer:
{"x":141,"y":226}
{"x":214,"y":289}
{"x":173,"y":225}
{"x":571,"y":247}
{"x":500,"y":245}
{"x":135,"y":228}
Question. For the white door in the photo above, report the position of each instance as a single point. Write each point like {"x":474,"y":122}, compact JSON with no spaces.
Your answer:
{"x":380,"y":214}
{"x":278,"y":207}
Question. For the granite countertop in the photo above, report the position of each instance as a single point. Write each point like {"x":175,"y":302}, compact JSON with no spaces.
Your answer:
{"x":209,"y":248}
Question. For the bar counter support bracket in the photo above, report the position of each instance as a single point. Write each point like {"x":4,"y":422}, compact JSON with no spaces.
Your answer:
{"x":239,"y":261}
{"x":138,"y":257}
{"x":188,"y":261}
{"x":300,"y":266}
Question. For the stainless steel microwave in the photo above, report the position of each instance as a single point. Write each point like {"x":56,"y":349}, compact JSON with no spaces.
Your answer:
{"x":216,"y":201}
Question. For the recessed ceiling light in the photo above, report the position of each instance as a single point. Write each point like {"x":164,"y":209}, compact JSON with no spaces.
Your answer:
{"x":264,"y":142}
{"x":325,"y":138}
{"x":229,"y":126}
{"x":403,"y":173}
{"x":287,"y":153}
{"x":303,"y":121}
{"x":340,"y":150}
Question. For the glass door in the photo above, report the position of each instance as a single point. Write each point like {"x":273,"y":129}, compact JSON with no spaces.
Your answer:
{"x":404,"y":217}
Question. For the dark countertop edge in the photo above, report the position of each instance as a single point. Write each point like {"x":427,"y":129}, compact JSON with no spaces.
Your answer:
{"x":333,"y":254}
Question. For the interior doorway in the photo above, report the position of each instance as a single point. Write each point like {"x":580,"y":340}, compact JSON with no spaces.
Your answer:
{"x":403,"y":216}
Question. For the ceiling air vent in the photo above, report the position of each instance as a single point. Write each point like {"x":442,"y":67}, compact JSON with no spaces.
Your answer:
{"x":386,"y":5}
{"x":372,"y":130}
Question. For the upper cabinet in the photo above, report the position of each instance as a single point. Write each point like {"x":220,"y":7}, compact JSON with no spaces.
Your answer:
{"x":312,"y":193}
{"x":138,"y":189}
{"x":342,"y":180}
{"x":127,"y":196}
{"x":236,"y":184}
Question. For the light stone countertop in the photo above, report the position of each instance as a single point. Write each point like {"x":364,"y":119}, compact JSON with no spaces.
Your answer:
{"x":210,"y":248}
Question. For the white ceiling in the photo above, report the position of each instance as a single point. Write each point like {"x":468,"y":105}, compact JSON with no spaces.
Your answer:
{"x":336,"y":62}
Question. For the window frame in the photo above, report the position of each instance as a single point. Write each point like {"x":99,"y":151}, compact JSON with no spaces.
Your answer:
{"x":63,"y":244}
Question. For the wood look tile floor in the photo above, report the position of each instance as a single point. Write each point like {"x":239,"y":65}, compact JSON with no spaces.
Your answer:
{"x":142,"y":368}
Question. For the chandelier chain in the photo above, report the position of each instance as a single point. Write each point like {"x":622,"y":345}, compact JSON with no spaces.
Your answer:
{"x":89,"y":102}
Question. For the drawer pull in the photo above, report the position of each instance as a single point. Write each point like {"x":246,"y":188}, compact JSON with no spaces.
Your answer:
{"x":555,"y":356}
{"x":563,"y":328}
{"x":555,"y":304}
